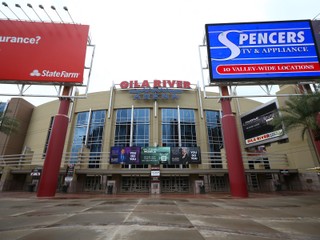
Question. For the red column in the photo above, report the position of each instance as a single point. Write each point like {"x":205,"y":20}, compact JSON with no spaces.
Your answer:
{"x":50,"y":172}
{"x":237,"y":179}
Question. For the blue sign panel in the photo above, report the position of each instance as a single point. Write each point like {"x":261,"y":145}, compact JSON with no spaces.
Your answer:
{"x":125,"y":155}
{"x":269,"y":50}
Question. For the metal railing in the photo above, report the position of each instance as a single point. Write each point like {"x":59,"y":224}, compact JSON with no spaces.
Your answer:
{"x":87,"y":160}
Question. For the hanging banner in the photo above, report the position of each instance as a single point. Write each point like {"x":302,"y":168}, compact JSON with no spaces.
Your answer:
{"x":185,"y":155}
{"x":155,"y":155}
{"x":133,"y":155}
{"x":125,"y":155}
{"x":42,"y":52}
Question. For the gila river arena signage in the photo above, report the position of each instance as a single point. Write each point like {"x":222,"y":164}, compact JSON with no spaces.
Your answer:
{"x":278,"y":51}
{"x":158,"y":89}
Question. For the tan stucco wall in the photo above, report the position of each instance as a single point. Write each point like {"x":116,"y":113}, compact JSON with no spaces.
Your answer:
{"x":300,"y":152}
{"x":39,"y":126}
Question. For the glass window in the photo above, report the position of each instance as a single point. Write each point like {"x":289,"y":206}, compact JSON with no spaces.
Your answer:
{"x":2,"y":107}
{"x":170,"y":128}
{"x":188,"y":128}
{"x":123,"y":126}
{"x":214,"y":137}
{"x":170,"y":133}
{"x":141,"y":127}
{"x":48,"y":137}
{"x":94,"y":128}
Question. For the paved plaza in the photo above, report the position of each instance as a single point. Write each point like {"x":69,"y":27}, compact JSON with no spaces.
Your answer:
{"x":136,"y":217}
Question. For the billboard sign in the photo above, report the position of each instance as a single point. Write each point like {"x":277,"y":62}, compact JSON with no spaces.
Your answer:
{"x":185,"y":155}
{"x":316,"y":33}
{"x":155,"y":155}
{"x":125,"y":155}
{"x":257,"y":128}
{"x":42,"y":52}
{"x":244,"y":52}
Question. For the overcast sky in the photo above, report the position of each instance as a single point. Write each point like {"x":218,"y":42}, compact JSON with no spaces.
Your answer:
{"x":149,"y":39}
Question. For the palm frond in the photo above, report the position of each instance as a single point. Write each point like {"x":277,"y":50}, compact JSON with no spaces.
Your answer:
{"x":300,"y":111}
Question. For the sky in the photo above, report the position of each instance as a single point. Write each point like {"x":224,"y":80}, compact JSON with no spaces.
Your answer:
{"x":151,"y":39}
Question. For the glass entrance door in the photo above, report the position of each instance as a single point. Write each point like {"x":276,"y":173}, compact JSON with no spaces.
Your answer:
{"x":135,"y":184}
{"x":174,"y":184}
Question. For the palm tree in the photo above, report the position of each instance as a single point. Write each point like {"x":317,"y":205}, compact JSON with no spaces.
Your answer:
{"x":8,"y":125}
{"x":301,"y":111}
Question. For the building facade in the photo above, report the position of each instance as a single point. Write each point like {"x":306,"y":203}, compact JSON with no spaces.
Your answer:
{"x":155,"y":115}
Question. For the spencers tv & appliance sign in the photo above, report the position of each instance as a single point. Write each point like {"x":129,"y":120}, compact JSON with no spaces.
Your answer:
{"x":42,"y":52}
{"x":278,"y":51}
{"x":257,"y":125}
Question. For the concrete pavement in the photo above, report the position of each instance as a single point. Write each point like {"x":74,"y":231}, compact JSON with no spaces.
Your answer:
{"x":137,"y":217}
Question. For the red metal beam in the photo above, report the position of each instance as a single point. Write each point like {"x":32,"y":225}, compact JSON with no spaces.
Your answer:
{"x":237,"y":178}
{"x":50,"y":172}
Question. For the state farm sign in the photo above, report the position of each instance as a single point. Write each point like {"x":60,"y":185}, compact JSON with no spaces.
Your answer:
{"x":42,"y":52}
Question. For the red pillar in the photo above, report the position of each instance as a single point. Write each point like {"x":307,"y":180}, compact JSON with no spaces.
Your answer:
{"x":50,"y":172}
{"x":237,"y":178}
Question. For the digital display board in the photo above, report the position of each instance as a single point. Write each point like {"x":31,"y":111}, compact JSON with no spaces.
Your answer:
{"x":244,"y":52}
{"x":42,"y":52}
{"x":257,"y":125}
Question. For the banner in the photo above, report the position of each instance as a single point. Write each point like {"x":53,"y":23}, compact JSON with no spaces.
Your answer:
{"x":42,"y":52}
{"x":185,"y":155}
{"x":155,"y":155}
{"x":125,"y":155}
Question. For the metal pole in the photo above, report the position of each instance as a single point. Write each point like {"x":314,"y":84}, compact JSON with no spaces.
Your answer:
{"x":237,"y":179}
{"x":50,"y":172}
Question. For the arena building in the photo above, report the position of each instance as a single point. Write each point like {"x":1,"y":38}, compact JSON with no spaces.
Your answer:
{"x":133,"y":139}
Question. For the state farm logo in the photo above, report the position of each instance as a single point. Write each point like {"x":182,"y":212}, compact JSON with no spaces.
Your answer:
{"x":58,"y":74}
{"x":35,"y":73}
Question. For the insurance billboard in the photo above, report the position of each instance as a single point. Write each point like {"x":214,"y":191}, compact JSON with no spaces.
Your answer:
{"x":257,"y":125}
{"x":42,"y":52}
{"x":265,"y":51}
